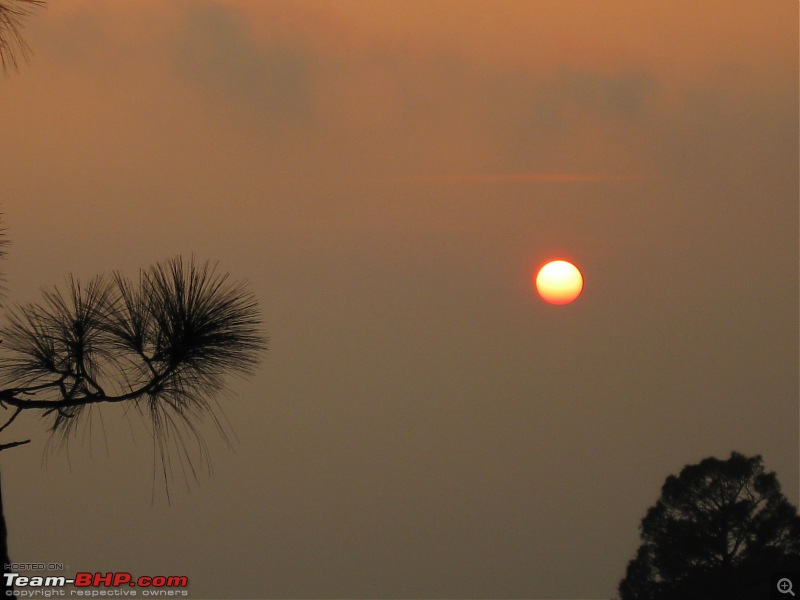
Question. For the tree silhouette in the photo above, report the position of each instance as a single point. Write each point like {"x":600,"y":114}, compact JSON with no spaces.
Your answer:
{"x":12,"y":44}
{"x":718,"y":531}
{"x":163,"y":344}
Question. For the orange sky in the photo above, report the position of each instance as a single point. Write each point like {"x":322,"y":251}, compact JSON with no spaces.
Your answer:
{"x":389,"y":175}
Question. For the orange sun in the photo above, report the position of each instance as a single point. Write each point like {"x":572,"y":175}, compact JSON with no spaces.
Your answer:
{"x":559,"y":282}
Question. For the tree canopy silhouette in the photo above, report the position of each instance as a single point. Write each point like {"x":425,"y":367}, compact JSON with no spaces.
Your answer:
{"x":163,"y":343}
{"x":12,"y":44}
{"x":718,"y":531}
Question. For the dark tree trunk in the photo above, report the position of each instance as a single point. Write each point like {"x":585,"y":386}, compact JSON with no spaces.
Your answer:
{"x":4,"y":548}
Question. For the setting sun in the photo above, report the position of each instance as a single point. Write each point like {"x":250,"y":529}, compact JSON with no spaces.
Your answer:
{"x":559,"y":282}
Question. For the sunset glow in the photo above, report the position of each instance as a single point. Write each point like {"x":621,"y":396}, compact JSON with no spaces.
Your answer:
{"x":416,"y":194}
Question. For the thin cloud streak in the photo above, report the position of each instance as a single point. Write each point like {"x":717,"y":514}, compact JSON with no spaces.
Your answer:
{"x":518,"y":178}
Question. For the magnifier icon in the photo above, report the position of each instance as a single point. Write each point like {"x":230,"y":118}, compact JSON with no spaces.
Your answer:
{"x":785,"y":586}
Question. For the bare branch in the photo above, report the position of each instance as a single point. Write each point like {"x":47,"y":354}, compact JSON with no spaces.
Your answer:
{"x":13,"y":445}
{"x":11,"y":420}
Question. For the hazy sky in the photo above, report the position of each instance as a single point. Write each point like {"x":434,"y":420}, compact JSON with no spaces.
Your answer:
{"x":389,"y":175}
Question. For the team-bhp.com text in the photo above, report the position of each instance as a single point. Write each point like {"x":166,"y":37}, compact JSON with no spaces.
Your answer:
{"x":93,"y":581}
